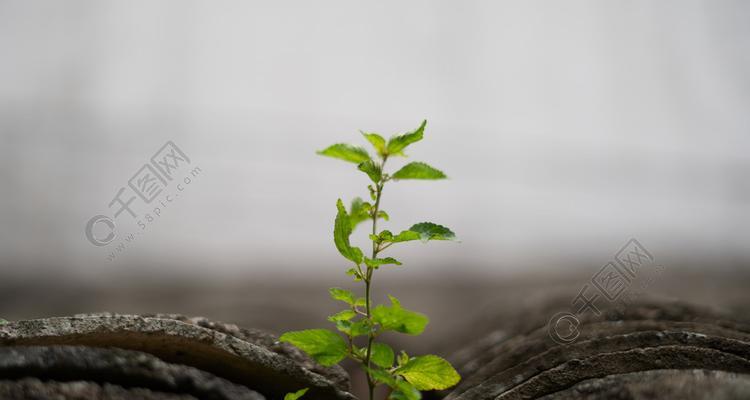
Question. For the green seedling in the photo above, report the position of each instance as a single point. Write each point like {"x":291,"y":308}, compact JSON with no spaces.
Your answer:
{"x":361,"y":324}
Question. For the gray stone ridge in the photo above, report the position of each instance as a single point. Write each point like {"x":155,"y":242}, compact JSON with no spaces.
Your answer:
{"x":112,"y":367}
{"x":228,"y":354}
{"x":646,"y":352}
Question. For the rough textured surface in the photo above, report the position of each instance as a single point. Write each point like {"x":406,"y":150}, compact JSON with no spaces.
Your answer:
{"x":471,"y":316}
{"x":660,"y":384}
{"x":128,"y":369}
{"x":178,"y":342}
{"x":34,"y":389}
{"x":464,"y":308}
{"x":521,"y":361}
{"x":335,"y":374}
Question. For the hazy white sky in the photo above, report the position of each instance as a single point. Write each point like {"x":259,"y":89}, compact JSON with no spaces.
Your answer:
{"x":565,"y":127}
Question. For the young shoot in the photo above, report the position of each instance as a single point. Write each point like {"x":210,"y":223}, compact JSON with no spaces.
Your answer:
{"x":361,"y":323}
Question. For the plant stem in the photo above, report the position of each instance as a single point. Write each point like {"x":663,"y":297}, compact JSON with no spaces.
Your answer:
{"x":368,"y":278}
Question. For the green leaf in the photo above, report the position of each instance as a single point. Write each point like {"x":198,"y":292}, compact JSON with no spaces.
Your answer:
{"x":324,"y":346}
{"x":342,"y":295}
{"x":359,"y":212}
{"x":403,"y":358}
{"x":345,"y":315}
{"x":382,"y":355}
{"x":296,"y":395}
{"x":402,"y":390}
{"x":353,"y":272}
{"x":396,"y":318}
{"x":397,"y":144}
{"x":429,"y":373}
{"x":381,"y":376}
{"x":406,"y":236}
{"x":342,"y":229}
{"x":418,"y":170}
{"x":385,"y":236}
{"x":360,"y":302}
{"x":376,"y":262}
{"x":372,"y":170}
{"x":344,"y":327}
{"x":361,"y":328}
{"x":354,"y":329}
{"x":346,"y":152}
{"x":405,"y":391}
{"x":377,"y":141}
{"x":429,"y":231}
{"x":424,"y":231}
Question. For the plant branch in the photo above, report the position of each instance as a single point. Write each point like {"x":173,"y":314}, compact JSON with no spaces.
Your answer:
{"x":368,"y":279}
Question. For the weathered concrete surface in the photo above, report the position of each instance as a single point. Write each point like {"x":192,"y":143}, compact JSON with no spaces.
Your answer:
{"x":660,"y":384}
{"x":521,"y":361}
{"x":465,"y":310}
{"x":221,"y":354}
{"x":34,"y":389}
{"x":335,"y":374}
{"x":124,"y":368}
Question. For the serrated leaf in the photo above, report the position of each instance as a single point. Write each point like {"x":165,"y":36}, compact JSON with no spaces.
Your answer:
{"x":382,"y":355}
{"x":359,"y":211}
{"x":354,"y":329}
{"x":399,"y":319}
{"x":342,"y":229}
{"x":418,"y":170}
{"x":397,"y":144}
{"x":377,"y":141}
{"x":345,"y":315}
{"x":384,"y":215}
{"x":430,"y":231}
{"x":326,"y":347}
{"x":346,"y":152}
{"x":429,"y":373}
{"x":376,"y":262}
{"x":296,"y":395}
{"x":406,"y":236}
{"x":361,"y":328}
{"x":372,"y":170}
{"x":342,"y":295}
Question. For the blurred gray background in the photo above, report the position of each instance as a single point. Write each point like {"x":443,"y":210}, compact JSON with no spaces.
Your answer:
{"x":566,"y":129}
